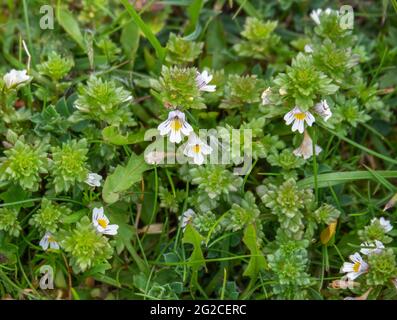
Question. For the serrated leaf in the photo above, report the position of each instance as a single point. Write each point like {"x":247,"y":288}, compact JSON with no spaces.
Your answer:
{"x":196,"y":260}
{"x":123,"y":178}
{"x":257,"y":261}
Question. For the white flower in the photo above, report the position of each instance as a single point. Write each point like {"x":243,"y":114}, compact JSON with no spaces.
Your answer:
{"x":299,"y":117}
{"x":386,"y":225}
{"x":202,"y":80}
{"x":372,"y":247}
{"x":315,"y":14}
{"x":305,"y":150}
{"x":265,"y":96}
{"x":48,"y":241}
{"x":186,"y":218}
{"x":15,"y":78}
{"x":323,"y":110}
{"x":101,"y":222}
{"x":93,"y":180}
{"x":196,"y":149}
{"x":176,"y":126}
{"x":356,"y":268}
{"x":308,"y":48}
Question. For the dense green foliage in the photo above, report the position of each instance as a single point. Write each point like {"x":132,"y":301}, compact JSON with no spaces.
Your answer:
{"x":87,"y":106}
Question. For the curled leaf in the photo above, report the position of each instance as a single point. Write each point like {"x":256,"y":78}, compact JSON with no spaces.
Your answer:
{"x":328,"y":233}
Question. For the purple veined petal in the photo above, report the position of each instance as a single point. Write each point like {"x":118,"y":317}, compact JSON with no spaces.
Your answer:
{"x":309,"y":118}
{"x":209,"y":88}
{"x":186,"y":128}
{"x":164,"y":127}
{"x":111,"y":229}
{"x":289,"y":118}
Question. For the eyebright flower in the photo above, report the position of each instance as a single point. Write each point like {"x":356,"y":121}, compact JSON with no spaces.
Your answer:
{"x":203,"y":79}
{"x":15,"y":78}
{"x":385,"y":224}
{"x":176,"y":126}
{"x":305,"y":150}
{"x":298,"y":117}
{"x":308,"y":48}
{"x":356,"y":268}
{"x":101,"y":222}
{"x":196,"y":149}
{"x":265,"y":96}
{"x":48,"y":240}
{"x":323,"y":110}
{"x":186,"y":218}
{"x":371,"y":248}
{"x":315,"y":14}
{"x":93,"y":180}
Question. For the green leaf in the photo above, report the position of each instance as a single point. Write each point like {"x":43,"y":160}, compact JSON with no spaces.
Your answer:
{"x":70,"y":25}
{"x":330,"y":179}
{"x":16,"y":194}
{"x":74,"y":217}
{"x":257,"y":261}
{"x":196,"y":260}
{"x":130,"y":40}
{"x":123,"y":178}
{"x":160,"y":51}
{"x":111,"y":134}
{"x":193,"y":12}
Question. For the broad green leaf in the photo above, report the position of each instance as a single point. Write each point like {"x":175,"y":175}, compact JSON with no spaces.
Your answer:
{"x":196,"y":260}
{"x":123,"y":178}
{"x":74,"y":217}
{"x":193,"y":12}
{"x":257,"y":261}
{"x":16,"y":194}
{"x":111,"y":134}
{"x":330,"y":179}
{"x":130,"y":40}
{"x":70,"y":25}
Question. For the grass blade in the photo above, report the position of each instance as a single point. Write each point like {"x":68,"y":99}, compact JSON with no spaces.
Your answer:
{"x":331,"y":179}
{"x":160,"y":51}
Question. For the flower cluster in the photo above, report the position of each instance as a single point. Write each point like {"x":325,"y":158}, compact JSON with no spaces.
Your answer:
{"x":176,"y":126}
{"x":182,"y":51}
{"x":379,"y":263}
{"x":24,"y":164}
{"x":260,"y":40}
{"x":104,"y":101}
{"x":69,"y":164}
{"x":288,"y":203}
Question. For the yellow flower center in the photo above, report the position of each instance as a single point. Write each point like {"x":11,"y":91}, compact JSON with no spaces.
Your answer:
{"x":356,"y":267}
{"x":102,"y":223}
{"x":51,"y":239}
{"x":196,"y":148}
{"x":300,"y":116}
{"x":176,"y":124}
